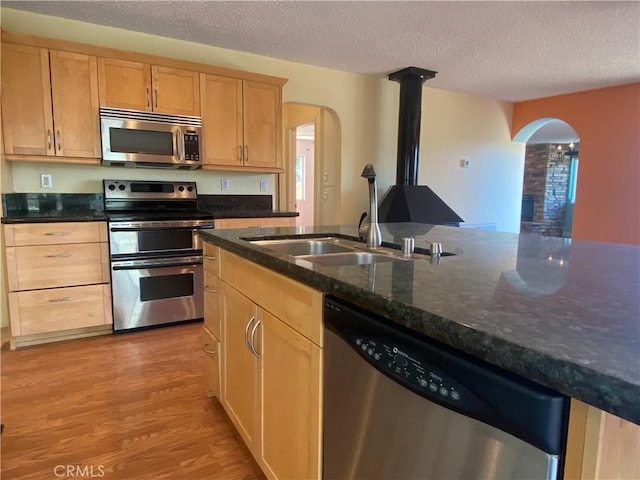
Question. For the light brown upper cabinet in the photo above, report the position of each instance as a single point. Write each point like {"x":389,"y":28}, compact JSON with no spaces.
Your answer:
{"x":49,"y":103}
{"x":140,"y":86}
{"x":242,"y":123}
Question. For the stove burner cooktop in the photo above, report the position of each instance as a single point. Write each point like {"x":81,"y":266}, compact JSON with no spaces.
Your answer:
{"x":134,"y":200}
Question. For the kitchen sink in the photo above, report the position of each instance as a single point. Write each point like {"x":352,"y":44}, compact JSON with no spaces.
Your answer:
{"x":308,"y":246}
{"x":332,"y":251}
{"x":351,"y":258}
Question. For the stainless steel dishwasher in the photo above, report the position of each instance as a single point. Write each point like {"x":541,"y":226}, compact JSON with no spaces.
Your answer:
{"x":400,"y":406}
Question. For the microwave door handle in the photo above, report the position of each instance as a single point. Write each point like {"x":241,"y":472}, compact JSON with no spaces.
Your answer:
{"x":180,"y":144}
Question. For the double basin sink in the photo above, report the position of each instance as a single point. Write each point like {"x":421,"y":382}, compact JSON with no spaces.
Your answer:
{"x":333,"y":251}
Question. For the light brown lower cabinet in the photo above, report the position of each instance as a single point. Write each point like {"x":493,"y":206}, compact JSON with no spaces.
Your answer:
{"x":601,"y":446}
{"x":271,"y":372}
{"x":58,"y":280}
{"x":240,"y":375}
{"x":290,"y":405}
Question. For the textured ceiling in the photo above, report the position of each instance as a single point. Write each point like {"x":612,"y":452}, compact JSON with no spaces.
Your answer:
{"x":504,"y":50}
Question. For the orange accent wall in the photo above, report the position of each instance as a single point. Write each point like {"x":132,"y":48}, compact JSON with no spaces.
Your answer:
{"x":607,"y":121}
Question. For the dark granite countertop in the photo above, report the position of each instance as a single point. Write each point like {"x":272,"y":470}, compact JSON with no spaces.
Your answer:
{"x":89,"y":207}
{"x":51,"y":217}
{"x":564,"y":313}
{"x":250,"y":213}
{"x":96,"y":216}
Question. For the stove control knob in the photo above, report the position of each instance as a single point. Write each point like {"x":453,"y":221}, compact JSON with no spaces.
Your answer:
{"x":190,"y":189}
{"x":181,"y":188}
{"x":112,"y":187}
{"x":121,"y":187}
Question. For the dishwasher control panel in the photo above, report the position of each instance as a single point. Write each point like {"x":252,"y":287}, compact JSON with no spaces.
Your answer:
{"x":412,"y":369}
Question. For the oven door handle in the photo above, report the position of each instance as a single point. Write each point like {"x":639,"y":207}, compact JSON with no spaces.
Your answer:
{"x":155,"y":229}
{"x":156,"y":265}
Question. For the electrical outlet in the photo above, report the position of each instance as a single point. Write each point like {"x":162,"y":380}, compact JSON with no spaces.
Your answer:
{"x":224,"y":184}
{"x":46,"y":180}
{"x":264,"y":185}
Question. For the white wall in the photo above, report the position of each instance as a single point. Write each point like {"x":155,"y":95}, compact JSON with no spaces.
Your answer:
{"x":88,"y":178}
{"x":457,"y":126}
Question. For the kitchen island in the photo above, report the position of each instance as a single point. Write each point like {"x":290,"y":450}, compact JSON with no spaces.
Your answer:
{"x":564,"y":313}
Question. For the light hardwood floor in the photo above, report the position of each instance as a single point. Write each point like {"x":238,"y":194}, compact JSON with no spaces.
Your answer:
{"x":132,"y":406}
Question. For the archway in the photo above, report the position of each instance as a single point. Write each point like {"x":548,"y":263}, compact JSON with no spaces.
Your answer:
{"x":550,"y":177}
{"x":326,"y":170}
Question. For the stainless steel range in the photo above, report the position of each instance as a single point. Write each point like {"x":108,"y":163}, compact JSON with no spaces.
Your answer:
{"x":155,"y":252}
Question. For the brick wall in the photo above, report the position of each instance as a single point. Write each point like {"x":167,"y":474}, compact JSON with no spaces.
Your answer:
{"x":546,"y":177}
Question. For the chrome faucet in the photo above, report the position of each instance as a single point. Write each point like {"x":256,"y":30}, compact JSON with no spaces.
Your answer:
{"x":373,"y":234}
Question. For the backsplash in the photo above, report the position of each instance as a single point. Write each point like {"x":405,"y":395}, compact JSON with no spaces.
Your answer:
{"x":20,"y":204}
{"x":234,"y":202}
{"x":15,"y":204}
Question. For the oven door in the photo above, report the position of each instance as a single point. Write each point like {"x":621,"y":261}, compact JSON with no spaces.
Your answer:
{"x":154,"y":238}
{"x":156,"y":292}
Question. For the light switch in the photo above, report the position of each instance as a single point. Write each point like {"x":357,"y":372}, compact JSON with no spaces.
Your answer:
{"x":264,"y":185}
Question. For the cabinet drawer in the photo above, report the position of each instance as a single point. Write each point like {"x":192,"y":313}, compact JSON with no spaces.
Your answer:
{"x":211,"y":260}
{"x":298,"y":305}
{"x":58,"y":309}
{"x":52,"y":266}
{"x":211,"y":348}
{"x":255,"y":222}
{"x":54,"y":233}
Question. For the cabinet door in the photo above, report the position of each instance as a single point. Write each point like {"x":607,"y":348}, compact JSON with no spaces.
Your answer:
{"x":124,"y":84}
{"x":74,"y":87}
{"x":212,"y":304}
{"x":211,"y":348}
{"x":240,"y":388}
{"x":221,"y":120}
{"x":262,"y":124}
{"x":175,"y":91}
{"x":27,"y":118}
{"x":291,"y":373}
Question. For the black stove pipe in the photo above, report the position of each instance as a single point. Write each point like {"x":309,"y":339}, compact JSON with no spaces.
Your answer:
{"x":410,"y":111}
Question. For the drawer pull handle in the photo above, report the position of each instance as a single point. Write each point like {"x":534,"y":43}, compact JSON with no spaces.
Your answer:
{"x":209,"y":289}
{"x":209,"y":257}
{"x":59,"y":255}
{"x":206,"y":350}
{"x":57,"y":234}
{"x":59,"y":300}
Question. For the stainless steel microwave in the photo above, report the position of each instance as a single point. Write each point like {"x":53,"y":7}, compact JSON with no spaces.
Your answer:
{"x":134,"y":138}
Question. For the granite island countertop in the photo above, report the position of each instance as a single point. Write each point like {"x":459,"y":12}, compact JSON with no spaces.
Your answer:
{"x":564,"y":313}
